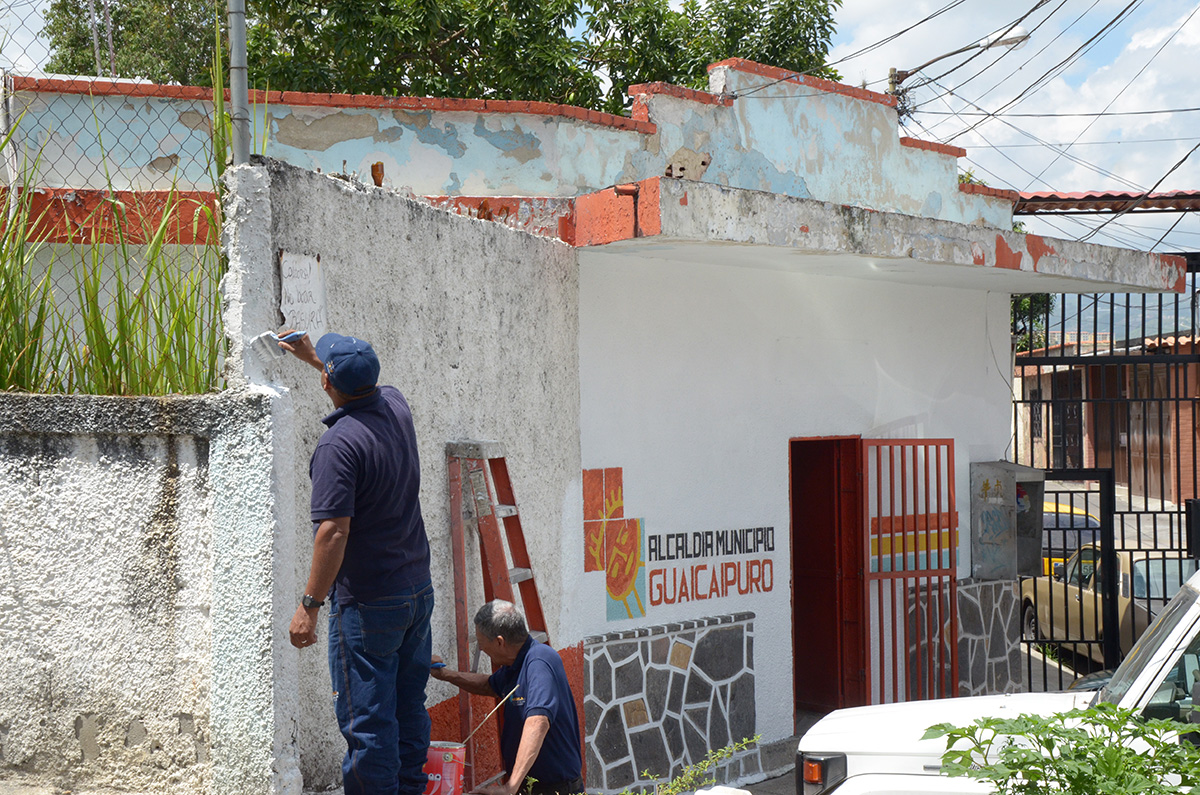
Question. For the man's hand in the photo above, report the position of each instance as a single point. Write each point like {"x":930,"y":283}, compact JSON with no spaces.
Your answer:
{"x":303,"y":630}
{"x":435,"y":670}
{"x":302,"y":349}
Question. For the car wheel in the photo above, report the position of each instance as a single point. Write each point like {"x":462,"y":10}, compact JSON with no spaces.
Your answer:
{"x":1029,"y":625}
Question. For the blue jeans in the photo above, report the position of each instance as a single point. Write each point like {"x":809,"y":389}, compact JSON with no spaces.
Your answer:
{"x":379,"y":654}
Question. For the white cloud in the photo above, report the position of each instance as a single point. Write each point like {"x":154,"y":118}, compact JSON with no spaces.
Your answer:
{"x":1113,"y":144}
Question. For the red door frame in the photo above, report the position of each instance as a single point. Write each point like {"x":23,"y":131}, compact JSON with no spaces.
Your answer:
{"x":842,"y":550}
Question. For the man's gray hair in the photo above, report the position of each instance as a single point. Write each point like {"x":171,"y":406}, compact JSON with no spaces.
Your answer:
{"x":499,"y":618}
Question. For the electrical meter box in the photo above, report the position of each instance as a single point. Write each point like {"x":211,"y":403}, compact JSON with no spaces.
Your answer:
{"x":1006,"y":520}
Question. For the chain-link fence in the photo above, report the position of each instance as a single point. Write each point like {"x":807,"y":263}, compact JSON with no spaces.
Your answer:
{"x":109,"y":261}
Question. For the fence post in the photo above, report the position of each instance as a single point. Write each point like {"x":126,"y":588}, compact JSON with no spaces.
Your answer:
{"x":239,"y":92}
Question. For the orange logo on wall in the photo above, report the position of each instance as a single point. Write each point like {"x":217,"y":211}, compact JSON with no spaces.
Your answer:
{"x":612,"y":542}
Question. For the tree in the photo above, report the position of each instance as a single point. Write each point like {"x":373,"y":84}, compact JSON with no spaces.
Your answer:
{"x":166,"y":41}
{"x":561,"y":51}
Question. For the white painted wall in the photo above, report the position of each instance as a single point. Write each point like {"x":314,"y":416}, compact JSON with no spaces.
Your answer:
{"x":474,"y":322}
{"x":105,"y":642}
{"x":694,"y":378}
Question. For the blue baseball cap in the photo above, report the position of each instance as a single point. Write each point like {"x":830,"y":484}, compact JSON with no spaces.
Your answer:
{"x":351,"y":363}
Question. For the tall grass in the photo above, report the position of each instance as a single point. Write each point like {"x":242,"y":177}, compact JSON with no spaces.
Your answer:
{"x":148,"y":323}
{"x":29,"y":349}
{"x":141,"y":315}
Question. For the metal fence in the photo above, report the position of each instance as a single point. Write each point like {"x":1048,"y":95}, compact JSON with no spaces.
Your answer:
{"x":111,"y":187}
{"x":1109,"y":384}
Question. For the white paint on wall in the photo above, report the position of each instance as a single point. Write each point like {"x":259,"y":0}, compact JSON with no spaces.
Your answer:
{"x":694,"y":378}
{"x":474,"y":322}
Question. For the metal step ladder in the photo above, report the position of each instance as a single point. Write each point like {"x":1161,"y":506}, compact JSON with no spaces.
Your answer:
{"x":481,"y":497}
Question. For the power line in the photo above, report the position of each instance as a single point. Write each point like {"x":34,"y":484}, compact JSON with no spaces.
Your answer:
{"x":1028,"y":60}
{"x":1124,"y":88}
{"x":1146,"y":195}
{"x":1059,"y":115}
{"x":1123,"y":241}
{"x":952,"y":4}
{"x":1057,"y":68}
{"x":1005,"y":52}
{"x":1073,"y":158}
{"x":1099,"y":143}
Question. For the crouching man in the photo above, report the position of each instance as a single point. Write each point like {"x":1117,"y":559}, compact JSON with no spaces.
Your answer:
{"x":540,"y":739}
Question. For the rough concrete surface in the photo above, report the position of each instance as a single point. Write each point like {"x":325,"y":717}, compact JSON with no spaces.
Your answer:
{"x":474,"y":322}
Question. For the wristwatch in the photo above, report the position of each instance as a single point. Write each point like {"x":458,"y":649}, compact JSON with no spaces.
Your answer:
{"x":311,"y":601}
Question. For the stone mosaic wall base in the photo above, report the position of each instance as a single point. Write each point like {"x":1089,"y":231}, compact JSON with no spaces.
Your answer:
{"x":658,"y":698}
{"x":989,"y":638}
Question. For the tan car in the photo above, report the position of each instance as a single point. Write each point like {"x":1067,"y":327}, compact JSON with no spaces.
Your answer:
{"x":1067,"y":605}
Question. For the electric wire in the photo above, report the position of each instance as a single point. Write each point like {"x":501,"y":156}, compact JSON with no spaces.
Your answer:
{"x":863,"y":51}
{"x":1073,"y":158}
{"x":1113,"y":236}
{"x":1061,"y":115}
{"x":1028,"y":60}
{"x":1006,"y":51}
{"x":1117,"y":96}
{"x":1037,"y":84}
{"x":1099,"y":143}
{"x":1146,"y":195}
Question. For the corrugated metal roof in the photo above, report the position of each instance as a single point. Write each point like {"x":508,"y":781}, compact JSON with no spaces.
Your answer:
{"x":1105,"y":201}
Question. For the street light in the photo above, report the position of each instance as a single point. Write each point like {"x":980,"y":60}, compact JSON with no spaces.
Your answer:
{"x":1012,"y":38}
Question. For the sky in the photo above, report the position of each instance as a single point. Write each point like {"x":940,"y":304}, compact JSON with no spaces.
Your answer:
{"x":1141,"y":63}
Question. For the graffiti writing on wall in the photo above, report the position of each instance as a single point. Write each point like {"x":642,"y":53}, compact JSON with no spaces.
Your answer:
{"x":749,"y":572}
{"x":302,"y":293}
{"x":648,"y":570}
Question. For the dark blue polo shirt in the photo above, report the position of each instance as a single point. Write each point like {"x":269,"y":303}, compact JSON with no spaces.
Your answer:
{"x":366,"y":467}
{"x":542,"y":689}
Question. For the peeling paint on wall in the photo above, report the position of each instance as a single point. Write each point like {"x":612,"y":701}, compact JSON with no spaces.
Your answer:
{"x":320,"y":134}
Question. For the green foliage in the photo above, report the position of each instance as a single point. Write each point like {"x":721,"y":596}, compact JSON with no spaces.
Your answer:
{"x":28,"y":353}
{"x":1029,"y":315}
{"x":167,"y":41}
{"x":698,"y":774}
{"x":537,"y":50}
{"x":147,"y":324}
{"x":1102,"y":750}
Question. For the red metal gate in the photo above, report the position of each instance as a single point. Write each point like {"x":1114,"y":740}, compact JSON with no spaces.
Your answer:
{"x":909,"y":572}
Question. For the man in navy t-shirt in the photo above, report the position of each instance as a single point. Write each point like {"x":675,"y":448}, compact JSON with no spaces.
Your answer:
{"x":540,"y":739}
{"x":371,"y":561}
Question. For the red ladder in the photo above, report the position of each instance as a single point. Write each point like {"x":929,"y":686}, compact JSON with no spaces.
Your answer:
{"x":481,"y":496}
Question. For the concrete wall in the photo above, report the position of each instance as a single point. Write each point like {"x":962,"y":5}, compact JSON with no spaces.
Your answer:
{"x":475,"y":323}
{"x":810,"y":139}
{"x":117,"y":515}
{"x":694,"y":378}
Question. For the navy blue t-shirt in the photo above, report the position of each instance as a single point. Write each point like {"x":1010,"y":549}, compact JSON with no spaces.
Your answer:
{"x":366,"y":467}
{"x":542,"y":689}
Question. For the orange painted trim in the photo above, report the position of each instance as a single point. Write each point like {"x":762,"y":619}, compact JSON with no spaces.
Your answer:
{"x":986,"y":190}
{"x":679,"y":92}
{"x":123,"y":88}
{"x":932,"y":146}
{"x":618,"y":213}
{"x":819,"y":83}
{"x":66,"y":215}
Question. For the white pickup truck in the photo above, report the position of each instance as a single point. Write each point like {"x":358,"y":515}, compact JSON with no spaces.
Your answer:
{"x":879,"y":750}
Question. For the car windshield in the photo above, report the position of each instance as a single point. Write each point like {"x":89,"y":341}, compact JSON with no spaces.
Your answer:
{"x":1160,"y":578}
{"x":1144,"y":649}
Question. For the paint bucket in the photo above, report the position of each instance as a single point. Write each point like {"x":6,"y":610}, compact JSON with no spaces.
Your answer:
{"x":444,"y":766}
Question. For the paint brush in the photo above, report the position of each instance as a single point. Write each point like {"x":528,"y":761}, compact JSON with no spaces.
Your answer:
{"x":266,"y":345}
